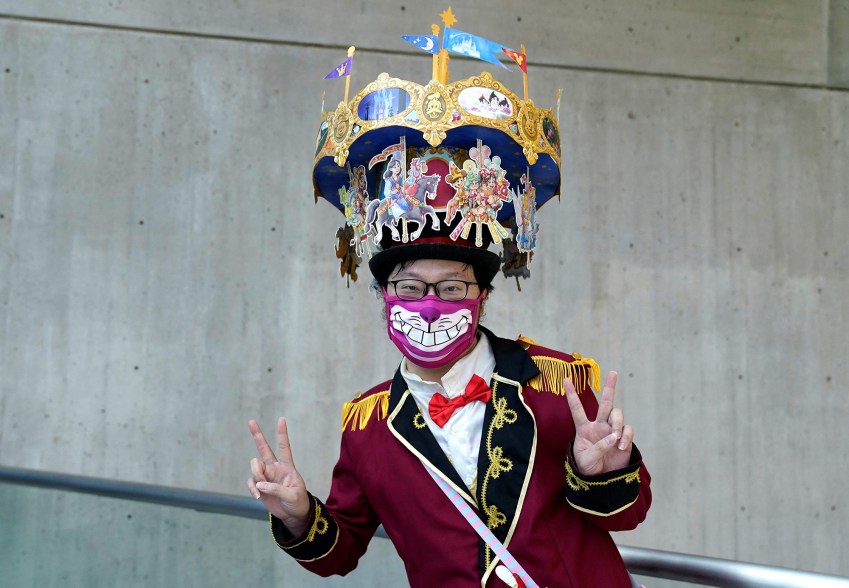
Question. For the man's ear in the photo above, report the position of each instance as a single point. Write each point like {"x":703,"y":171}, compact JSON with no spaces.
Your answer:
{"x":482,"y":305}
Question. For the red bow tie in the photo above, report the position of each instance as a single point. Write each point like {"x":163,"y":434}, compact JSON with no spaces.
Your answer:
{"x":441,"y":409}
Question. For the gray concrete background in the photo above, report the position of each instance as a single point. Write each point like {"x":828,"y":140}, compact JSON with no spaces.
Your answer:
{"x":165,"y":275}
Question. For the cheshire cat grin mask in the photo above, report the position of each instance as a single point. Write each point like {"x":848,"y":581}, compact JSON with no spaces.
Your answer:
{"x":432,"y":332}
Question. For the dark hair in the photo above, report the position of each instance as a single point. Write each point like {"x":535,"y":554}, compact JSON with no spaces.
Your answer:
{"x":389,"y":165}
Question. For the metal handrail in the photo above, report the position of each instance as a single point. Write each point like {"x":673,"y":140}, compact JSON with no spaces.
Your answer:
{"x":711,"y":571}
{"x":226,"y":504}
{"x":654,"y":563}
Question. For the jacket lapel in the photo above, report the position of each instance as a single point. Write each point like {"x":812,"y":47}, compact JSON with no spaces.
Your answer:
{"x":408,"y":426}
{"x":508,"y":446}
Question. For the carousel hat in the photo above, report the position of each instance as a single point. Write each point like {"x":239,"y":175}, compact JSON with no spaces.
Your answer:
{"x":441,"y":170}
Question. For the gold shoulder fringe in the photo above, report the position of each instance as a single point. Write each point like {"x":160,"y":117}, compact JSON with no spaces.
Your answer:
{"x":357,"y":413}
{"x":553,"y":371}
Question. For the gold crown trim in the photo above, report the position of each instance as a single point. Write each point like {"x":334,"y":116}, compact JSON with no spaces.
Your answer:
{"x":435,"y":109}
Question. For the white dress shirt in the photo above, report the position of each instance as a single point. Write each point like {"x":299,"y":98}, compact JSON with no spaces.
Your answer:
{"x":460,"y":438}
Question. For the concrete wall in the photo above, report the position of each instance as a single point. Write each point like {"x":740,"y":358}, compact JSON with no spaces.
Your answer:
{"x":165,"y":275}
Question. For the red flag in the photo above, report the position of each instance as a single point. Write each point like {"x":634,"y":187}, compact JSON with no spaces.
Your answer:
{"x":519,"y":58}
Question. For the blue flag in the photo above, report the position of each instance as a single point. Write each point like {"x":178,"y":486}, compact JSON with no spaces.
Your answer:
{"x":341,"y":70}
{"x":473,"y":46}
{"x":429,"y":43}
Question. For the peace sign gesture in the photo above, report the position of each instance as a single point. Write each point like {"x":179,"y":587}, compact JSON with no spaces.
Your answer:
{"x":276,"y":482}
{"x":602,"y":445}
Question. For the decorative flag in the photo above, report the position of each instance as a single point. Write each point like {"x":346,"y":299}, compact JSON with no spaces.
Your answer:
{"x":519,"y":58}
{"x":341,"y":70}
{"x":472,"y":46}
{"x":429,"y":43}
{"x":386,"y":153}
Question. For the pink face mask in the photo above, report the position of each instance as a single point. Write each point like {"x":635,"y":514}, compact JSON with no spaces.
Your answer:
{"x":432,"y":332}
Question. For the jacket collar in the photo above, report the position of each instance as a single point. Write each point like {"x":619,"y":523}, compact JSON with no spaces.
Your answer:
{"x":511,"y":359}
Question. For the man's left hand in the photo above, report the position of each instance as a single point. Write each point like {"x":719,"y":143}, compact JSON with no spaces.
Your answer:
{"x":602,"y":445}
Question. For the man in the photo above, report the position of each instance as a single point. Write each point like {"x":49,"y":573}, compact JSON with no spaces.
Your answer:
{"x":380,"y":479}
{"x":488,"y":461}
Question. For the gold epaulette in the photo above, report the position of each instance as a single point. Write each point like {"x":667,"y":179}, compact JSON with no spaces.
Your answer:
{"x":526,"y":342}
{"x":358,"y":412}
{"x":552,"y":371}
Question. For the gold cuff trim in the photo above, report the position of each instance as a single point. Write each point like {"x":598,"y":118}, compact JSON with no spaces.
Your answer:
{"x":601,"y":514}
{"x":319,"y":526}
{"x":576,"y":483}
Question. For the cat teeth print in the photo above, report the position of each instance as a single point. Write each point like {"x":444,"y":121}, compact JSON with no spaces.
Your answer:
{"x":429,"y":339}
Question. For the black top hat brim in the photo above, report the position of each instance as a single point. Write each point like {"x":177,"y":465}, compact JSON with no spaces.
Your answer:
{"x":485,"y":263}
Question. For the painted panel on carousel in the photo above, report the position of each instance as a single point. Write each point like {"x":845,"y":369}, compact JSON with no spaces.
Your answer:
{"x":481,"y":188}
{"x":321,"y":140}
{"x":383,"y":104}
{"x":552,"y":135}
{"x":486,"y":102}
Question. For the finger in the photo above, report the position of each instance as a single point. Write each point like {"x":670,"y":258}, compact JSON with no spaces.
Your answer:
{"x":258,"y":470}
{"x":594,"y":454}
{"x":262,"y":446}
{"x":272,"y":489}
{"x":627,"y":438}
{"x":575,"y":406}
{"x":283,"y":445}
{"x":605,"y":444}
{"x":605,"y":405}
{"x":253,"y":489}
{"x":617,"y":421}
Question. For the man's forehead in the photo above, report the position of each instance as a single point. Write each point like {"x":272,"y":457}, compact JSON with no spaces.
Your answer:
{"x":441,"y":267}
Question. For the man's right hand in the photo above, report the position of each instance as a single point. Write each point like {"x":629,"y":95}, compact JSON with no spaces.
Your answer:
{"x":276,"y":482}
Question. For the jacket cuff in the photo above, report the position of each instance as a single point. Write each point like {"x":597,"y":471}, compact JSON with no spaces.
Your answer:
{"x":605,"y":494}
{"x":315,"y":542}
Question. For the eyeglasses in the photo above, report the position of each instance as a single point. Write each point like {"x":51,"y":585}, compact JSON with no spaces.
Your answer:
{"x":448,"y":290}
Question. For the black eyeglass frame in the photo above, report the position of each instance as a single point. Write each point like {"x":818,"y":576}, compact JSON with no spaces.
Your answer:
{"x":435,"y":289}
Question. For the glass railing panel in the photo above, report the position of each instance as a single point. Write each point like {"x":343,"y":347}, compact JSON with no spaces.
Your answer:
{"x":62,"y":530}
{"x":64,"y":539}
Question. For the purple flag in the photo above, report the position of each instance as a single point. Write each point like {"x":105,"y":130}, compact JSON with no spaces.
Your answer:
{"x":341,"y":70}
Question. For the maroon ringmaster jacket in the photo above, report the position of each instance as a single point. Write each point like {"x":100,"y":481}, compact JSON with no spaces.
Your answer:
{"x":553,"y":521}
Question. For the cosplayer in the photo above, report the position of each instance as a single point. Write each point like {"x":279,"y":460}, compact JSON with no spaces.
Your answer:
{"x":490,"y":462}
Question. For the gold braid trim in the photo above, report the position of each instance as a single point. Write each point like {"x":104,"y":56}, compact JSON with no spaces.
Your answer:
{"x":553,"y":371}
{"x":418,"y":420}
{"x":357,"y":413}
{"x":498,"y":464}
{"x":576,"y":483}
{"x":320,"y":525}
